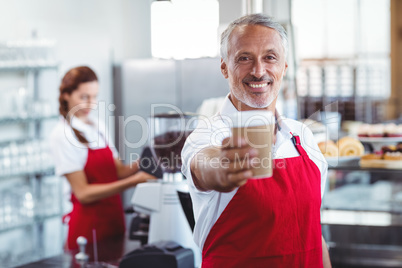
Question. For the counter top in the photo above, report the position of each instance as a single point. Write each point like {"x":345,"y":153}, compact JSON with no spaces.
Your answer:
{"x":109,"y":254}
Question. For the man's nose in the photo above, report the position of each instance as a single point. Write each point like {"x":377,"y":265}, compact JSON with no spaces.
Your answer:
{"x":258,"y":69}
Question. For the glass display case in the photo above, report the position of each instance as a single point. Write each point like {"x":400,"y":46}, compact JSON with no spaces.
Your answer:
{"x":362,"y":215}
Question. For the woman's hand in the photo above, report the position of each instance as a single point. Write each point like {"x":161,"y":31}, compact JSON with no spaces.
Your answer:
{"x":140,"y":177}
{"x":87,"y":193}
{"x":124,"y":171}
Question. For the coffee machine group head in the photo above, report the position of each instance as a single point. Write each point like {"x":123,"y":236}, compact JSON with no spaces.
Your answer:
{"x":168,"y":132}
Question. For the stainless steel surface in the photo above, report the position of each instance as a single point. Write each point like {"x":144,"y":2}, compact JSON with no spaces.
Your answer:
{"x":200,"y":79}
{"x":162,"y":86}
{"x":145,"y":84}
{"x":365,"y":255}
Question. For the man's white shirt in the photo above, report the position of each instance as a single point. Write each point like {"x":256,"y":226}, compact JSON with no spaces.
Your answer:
{"x":209,"y":205}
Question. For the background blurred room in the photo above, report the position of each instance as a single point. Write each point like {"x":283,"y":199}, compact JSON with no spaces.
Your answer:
{"x":344,"y":57}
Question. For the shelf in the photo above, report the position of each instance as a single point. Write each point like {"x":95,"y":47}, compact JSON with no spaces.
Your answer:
{"x":24,"y":120}
{"x":34,"y":220}
{"x":360,"y":218}
{"x":365,"y":202}
{"x":31,"y":207}
{"x":28,"y":66}
{"x":365,"y":255}
{"x":358,"y":168}
{"x":38,"y":173}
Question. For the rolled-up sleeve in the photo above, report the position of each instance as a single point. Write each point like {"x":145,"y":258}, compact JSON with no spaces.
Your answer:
{"x":210,"y":131}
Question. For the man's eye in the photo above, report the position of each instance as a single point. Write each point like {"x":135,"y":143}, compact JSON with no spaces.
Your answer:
{"x":270,"y":57}
{"x":244,"y":58}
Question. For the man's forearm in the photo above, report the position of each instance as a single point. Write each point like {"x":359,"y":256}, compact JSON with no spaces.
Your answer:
{"x":201,"y":169}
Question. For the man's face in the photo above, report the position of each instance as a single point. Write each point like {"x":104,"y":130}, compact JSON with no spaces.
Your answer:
{"x":254,"y":67}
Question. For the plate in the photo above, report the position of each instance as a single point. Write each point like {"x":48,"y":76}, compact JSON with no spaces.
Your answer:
{"x":377,"y":163}
{"x":343,"y":161}
{"x":377,"y":143}
{"x":380,"y":139}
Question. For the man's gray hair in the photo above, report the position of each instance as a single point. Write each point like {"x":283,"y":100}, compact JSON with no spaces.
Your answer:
{"x":253,"y":19}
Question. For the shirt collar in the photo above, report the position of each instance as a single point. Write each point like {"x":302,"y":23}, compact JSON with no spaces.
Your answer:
{"x":80,"y":125}
{"x":228,"y":108}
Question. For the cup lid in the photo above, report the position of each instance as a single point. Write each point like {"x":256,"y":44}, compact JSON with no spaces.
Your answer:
{"x":250,"y":118}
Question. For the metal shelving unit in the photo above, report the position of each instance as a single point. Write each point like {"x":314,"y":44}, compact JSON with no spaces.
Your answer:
{"x":31,"y":197}
{"x":27,"y":66}
{"x":35,"y":173}
{"x":25,"y":120}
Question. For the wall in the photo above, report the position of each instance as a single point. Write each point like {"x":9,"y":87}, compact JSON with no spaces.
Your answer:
{"x":90,"y":32}
{"x":97,"y":33}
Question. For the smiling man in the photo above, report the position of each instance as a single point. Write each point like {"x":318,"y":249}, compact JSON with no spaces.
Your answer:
{"x":254,"y":66}
{"x":244,"y":222}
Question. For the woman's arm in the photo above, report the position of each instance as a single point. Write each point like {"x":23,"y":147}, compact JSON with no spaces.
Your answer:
{"x":325,"y":254}
{"x":123,"y":170}
{"x":88,"y":193}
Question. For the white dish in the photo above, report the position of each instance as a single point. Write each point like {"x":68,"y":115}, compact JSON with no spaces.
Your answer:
{"x":380,"y":139}
{"x":343,"y":161}
{"x":376,"y":163}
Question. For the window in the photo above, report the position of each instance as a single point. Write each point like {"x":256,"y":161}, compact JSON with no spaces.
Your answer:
{"x":184,"y":28}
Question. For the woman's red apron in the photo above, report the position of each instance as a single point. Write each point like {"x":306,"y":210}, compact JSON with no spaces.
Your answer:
{"x":272,"y":222}
{"x":106,"y":216}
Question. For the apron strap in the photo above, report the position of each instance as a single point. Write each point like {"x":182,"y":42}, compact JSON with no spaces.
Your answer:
{"x":66,"y":218}
{"x":297,"y":143}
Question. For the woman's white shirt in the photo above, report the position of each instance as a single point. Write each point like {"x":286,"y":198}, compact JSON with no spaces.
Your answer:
{"x":69,"y":154}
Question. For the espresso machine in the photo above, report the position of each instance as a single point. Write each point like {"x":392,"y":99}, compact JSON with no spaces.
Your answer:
{"x":166,"y":199}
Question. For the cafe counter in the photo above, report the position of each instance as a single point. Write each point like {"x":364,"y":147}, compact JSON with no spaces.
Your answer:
{"x":104,"y":254}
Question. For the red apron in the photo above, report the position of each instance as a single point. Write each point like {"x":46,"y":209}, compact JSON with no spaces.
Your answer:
{"x":272,"y":222}
{"x":106,"y":216}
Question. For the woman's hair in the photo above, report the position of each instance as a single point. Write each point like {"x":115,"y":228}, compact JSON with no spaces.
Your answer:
{"x":253,"y":19}
{"x":70,"y":82}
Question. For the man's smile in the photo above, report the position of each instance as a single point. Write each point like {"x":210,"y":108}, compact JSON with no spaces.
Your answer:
{"x":258,"y":85}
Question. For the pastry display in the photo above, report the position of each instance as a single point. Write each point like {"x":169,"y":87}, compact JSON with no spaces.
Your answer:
{"x":376,"y":131}
{"x":346,"y":146}
{"x":389,"y":148}
{"x":399,"y":147}
{"x":351,"y":127}
{"x":328,"y":148}
{"x":349,"y":146}
{"x":371,"y":157}
{"x":380,"y":130}
{"x":363,"y":130}
{"x":395,"y":132}
{"x":393,"y":156}
{"x":390,"y":157}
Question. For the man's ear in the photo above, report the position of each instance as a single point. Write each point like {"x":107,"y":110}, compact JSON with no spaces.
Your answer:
{"x":224,"y":69}
{"x":286,"y":68}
